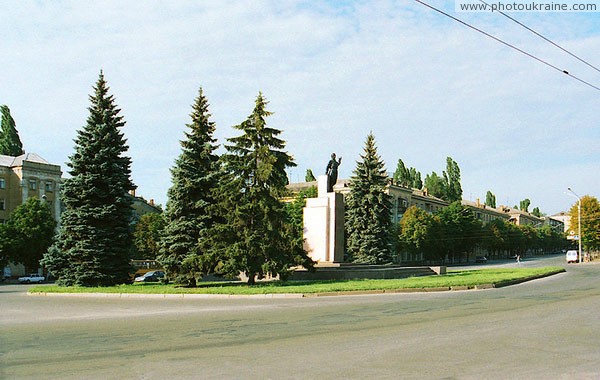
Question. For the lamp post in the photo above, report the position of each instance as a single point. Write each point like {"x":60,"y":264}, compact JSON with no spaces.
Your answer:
{"x":578,"y":221}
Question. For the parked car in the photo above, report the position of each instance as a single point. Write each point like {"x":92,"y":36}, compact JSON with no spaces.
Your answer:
{"x":152,"y":276}
{"x":572,"y":256}
{"x":481,"y":259}
{"x":32,"y":278}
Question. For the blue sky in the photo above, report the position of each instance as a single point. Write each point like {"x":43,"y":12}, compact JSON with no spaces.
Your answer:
{"x":426,"y":86}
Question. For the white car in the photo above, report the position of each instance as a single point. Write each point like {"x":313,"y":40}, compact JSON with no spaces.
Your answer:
{"x":572,"y":256}
{"x":32,"y":278}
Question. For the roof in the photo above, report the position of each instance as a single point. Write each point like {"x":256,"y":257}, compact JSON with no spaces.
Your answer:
{"x":6,"y":160}
{"x":11,"y":161}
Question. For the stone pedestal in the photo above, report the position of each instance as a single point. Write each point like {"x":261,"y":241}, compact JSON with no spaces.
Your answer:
{"x":324,"y":225}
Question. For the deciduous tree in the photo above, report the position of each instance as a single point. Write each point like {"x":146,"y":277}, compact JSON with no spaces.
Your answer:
{"x":407,"y":177}
{"x":590,"y":222}
{"x":309,"y":177}
{"x":147,"y":235}
{"x":32,"y":228}
{"x":524,"y":205}
{"x":490,"y":199}
{"x":10,"y":143}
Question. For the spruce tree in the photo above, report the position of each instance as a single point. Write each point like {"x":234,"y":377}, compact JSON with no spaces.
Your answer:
{"x":256,"y":237}
{"x":368,"y":210}
{"x":94,"y":241}
{"x":190,"y":206}
{"x":10,"y":143}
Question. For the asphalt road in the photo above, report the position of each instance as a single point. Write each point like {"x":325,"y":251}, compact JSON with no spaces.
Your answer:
{"x":543,"y":329}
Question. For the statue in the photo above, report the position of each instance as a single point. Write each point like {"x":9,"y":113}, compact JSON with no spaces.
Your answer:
{"x":332,"y":172}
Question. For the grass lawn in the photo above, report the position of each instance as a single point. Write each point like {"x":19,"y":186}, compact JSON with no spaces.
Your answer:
{"x":453,"y":279}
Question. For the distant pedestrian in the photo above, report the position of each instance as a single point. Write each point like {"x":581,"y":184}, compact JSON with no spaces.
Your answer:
{"x":518,"y":259}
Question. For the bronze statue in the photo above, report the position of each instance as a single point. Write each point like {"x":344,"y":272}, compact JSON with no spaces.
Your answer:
{"x":332,"y":172}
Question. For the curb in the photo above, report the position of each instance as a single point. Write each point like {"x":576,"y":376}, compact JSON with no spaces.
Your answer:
{"x":168,"y":296}
{"x":503,"y":284}
{"x":298,"y":295}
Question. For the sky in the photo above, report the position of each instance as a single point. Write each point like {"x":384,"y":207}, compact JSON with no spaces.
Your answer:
{"x":425,"y":85}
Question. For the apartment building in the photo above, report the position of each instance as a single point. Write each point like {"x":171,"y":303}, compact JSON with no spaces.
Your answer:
{"x":402,"y":197}
{"x":26,"y":176}
{"x":484,"y":213}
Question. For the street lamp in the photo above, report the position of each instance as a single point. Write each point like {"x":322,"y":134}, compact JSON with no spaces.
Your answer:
{"x":578,"y":220}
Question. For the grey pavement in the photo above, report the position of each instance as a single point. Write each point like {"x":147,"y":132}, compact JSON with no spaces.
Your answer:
{"x":543,"y":329}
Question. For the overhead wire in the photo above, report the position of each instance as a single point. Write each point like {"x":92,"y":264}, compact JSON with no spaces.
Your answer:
{"x":509,"y":45}
{"x":543,"y":37}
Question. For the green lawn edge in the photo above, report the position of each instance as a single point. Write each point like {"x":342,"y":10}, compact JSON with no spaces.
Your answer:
{"x":453,"y":280}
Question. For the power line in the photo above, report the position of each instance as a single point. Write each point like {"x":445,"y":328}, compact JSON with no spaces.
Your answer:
{"x":544,"y":38}
{"x":508,"y":44}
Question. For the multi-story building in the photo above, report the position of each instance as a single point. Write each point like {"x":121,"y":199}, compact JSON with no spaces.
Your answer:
{"x":484,"y":213}
{"x":402,"y":197}
{"x":563,"y":217}
{"x":26,"y":176}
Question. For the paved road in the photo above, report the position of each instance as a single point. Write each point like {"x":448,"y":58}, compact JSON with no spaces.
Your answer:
{"x":544,"y":329}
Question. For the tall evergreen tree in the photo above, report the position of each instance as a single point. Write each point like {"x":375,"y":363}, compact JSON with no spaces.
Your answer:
{"x":10,"y":143}
{"x":94,"y":240}
{"x":256,"y":237}
{"x":368,"y":210}
{"x":190,"y":204}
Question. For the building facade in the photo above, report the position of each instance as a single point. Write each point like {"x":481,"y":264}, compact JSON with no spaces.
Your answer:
{"x":27,"y":176}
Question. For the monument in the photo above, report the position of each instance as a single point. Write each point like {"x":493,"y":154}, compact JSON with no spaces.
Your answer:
{"x":324,"y":219}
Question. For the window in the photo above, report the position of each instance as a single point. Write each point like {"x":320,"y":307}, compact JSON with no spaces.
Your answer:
{"x":2,"y":204}
{"x":49,"y":186}
{"x":2,"y":183}
{"x":32,"y":184}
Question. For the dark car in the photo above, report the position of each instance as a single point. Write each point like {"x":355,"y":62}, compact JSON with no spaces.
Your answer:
{"x":481,"y":259}
{"x":152,"y":276}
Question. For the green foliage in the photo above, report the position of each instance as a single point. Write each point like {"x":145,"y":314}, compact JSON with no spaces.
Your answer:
{"x":191,"y":199}
{"x":590,"y":222}
{"x":452,"y":181}
{"x":256,"y":237}
{"x":295,"y":208}
{"x":419,"y":232}
{"x":10,"y":143}
{"x":368,"y":210}
{"x":536,"y":212}
{"x":490,"y":199}
{"x":31,"y":227}
{"x":7,"y":244}
{"x":309,"y":177}
{"x":448,"y":186}
{"x":524,"y":205}
{"x":503,"y":237}
{"x":460,"y":230}
{"x":407,"y":177}
{"x":94,"y":241}
{"x":435,"y":185}
{"x":147,"y":236}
